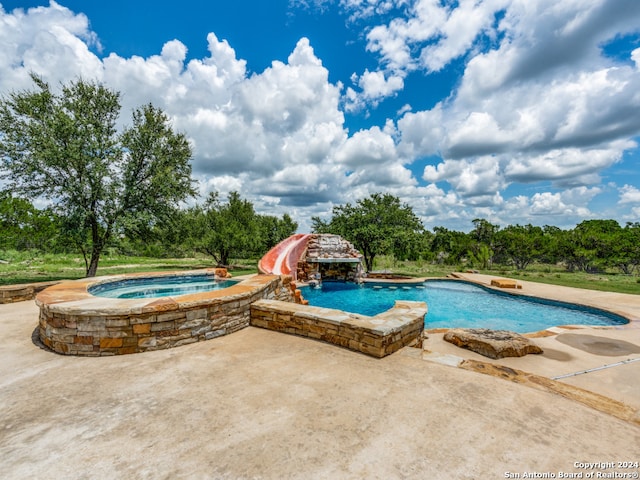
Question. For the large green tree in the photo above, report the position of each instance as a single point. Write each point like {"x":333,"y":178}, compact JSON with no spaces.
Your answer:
{"x":375,"y":225}
{"x":65,"y":147}
{"x":449,"y":246}
{"x":625,"y":248}
{"x":273,"y":229}
{"x":521,"y":245}
{"x":592,"y":244}
{"x":224,"y":229}
{"x":22,"y":226}
{"x":482,"y":247}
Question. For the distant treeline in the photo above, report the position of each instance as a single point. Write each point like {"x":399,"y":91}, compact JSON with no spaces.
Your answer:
{"x":222,"y":230}
{"x":377,"y":225}
{"x":380,"y":224}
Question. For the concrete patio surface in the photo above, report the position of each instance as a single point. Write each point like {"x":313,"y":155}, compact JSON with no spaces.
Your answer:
{"x":263,"y":405}
{"x":571,"y":350}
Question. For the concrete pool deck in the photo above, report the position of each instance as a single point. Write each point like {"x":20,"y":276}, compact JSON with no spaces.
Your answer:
{"x":260,"y":404}
{"x":570,"y":350}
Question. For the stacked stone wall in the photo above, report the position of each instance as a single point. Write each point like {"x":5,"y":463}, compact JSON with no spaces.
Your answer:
{"x":323,"y":247}
{"x":330,"y":246}
{"x":377,"y":336}
{"x":163,"y":323}
{"x":22,"y":292}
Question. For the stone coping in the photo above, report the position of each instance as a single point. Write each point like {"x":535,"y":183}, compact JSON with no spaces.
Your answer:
{"x":378,"y":336}
{"x":72,"y":297}
{"x":20,"y":292}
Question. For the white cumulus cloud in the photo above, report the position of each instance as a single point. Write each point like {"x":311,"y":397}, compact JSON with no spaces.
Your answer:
{"x":538,"y":109}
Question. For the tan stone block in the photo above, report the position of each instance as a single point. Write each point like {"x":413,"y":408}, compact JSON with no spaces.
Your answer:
{"x":192,"y":324}
{"x":163,"y":326}
{"x":110,"y":342}
{"x":372,"y":340}
{"x":127,"y":350}
{"x":349,"y":333}
{"x":83,"y":340}
{"x":317,"y":329}
{"x":81,"y":349}
{"x":373,"y":351}
{"x":117,"y":322}
{"x":63,"y":331}
{"x":91,"y":326}
{"x":167,"y":333}
{"x":63,"y":338}
{"x":143,"y":319}
{"x":337,"y":340}
{"x":197,"y":315}
{"x":142,"y":328}
{"x":171,"y":316}
{"x":130,"y":341}
{"x":57,"y":322}
{"x":60,"y":347}
{"x":258,"y":322}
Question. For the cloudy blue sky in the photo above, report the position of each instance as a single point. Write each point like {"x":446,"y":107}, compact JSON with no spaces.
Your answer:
{"x":516,"y":111}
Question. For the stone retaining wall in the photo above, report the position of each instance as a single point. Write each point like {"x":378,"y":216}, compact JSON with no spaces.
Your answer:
{"x":377,"y":336}
{"x":22,"y":292}
{"x":74,"y":322}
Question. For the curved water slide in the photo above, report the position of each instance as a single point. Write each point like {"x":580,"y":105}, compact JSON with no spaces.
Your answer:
{"x":283,"y":258}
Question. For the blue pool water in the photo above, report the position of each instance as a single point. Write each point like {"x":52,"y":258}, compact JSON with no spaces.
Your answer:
{"x":152,"y":287}
{"x":458,"y":304}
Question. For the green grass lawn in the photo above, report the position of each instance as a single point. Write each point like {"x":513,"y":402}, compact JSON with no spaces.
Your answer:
{"x":608,"y":282}
{"x":556,"y":275}
{"x":28,"y":267}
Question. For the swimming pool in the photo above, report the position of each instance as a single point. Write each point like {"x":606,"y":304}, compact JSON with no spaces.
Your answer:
{"x":456,"y":304}
{"x":157,"y":287}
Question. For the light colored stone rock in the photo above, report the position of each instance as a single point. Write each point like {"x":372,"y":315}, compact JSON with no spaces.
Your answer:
{"x":492,"y":343}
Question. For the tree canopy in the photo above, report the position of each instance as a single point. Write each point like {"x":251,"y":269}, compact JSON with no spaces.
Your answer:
{"x":65,"y":148}
{"x":375,"y":225}
{"x":24,"y":227}
{"x":225,"y":229}
{"x":521,"y":244}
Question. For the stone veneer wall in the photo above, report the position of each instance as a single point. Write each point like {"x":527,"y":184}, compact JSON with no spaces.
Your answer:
{"x":74,"y":322}
{"x":377,"y":336}
{"x":326,"y":247}
{"x":22,"y":292}
{"x":330,"y":246}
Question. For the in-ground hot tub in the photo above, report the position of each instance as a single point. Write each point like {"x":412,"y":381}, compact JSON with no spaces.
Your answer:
{"x":74,"y":321}
{"x":163,"y":286}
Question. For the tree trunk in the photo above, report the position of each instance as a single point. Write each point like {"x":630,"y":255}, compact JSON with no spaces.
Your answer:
{"x":97,"y":243}
{"x":225,"y":253}
{"x":93,"y":264}
{"x":368,"y":260}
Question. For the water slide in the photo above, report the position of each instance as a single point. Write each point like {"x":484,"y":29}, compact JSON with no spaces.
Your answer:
{"x":283,"y":258}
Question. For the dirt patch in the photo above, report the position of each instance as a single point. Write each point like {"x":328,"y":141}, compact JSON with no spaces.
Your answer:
{"x":607,"y":347}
